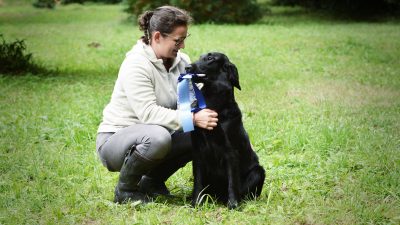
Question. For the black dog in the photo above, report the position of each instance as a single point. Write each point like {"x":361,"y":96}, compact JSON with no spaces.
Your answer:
{"x":224,"y":163}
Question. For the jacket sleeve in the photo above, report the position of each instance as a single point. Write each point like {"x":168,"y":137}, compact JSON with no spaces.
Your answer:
{"x":138,"y":86}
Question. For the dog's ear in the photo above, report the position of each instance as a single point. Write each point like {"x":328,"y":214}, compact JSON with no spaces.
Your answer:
{"x":233,"y":74}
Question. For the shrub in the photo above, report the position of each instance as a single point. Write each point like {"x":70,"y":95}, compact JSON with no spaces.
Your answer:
{"x":45,"y":4}
{"x":65,"y":2}
{"x":107,"y":1}
{"x":354,"y":8}
{"x":83,"y":1}
{"x":52,"y":3}
{"x":14,"y":60}
{"x":243,"y":12}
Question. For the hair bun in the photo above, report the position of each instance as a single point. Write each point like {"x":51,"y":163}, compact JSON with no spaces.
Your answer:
{"x":144,"y":20}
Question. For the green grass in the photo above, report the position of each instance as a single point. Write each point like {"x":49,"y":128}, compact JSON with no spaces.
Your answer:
{"x":320,"y":98}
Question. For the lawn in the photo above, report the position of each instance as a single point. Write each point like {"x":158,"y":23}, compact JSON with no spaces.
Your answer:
{"x":320,"y":100}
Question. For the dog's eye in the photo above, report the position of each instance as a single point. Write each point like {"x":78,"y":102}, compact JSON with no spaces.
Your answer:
{"x":209,"y":58}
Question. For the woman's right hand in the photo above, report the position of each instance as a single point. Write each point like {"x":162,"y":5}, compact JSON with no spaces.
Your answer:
{"x":206,"y":119}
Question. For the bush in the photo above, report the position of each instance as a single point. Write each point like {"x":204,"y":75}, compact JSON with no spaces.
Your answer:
{"x":45,"y":4}
{"x":65,"y":2}
{"x":14,"y":60}
{"x":355,"y":8}
{"x":52,"y":3}
{"x":243,"y":12}
{"x":136,"y":7}
{"x":98,"y":1}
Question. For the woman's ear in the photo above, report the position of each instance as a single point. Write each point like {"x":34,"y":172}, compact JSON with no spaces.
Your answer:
{"x":156,"y":36}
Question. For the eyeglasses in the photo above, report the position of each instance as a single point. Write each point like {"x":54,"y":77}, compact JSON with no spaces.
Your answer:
{"x":178,"y":41}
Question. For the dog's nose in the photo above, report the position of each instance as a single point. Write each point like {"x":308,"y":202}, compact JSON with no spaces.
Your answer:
{"x":189,"y":68}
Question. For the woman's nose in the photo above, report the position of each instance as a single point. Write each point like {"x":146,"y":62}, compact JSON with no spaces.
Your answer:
{"x":182,"y":45}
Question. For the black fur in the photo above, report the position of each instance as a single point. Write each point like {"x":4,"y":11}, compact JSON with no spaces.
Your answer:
{"x":224,"y":163}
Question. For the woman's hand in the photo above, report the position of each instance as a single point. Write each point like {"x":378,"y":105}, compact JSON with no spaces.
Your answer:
{"x":206,"y":119}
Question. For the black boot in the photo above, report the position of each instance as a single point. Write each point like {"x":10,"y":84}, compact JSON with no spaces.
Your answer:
{"x":153,"y":183}
{"x":131,"y":172}
{"x":153,"y":187}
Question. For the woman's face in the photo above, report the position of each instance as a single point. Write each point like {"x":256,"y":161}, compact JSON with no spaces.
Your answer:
{"x":166,"y":46}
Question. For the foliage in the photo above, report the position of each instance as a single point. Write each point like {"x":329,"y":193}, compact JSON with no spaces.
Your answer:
{"x":99,"y":1}
{"x":52,"y":3}
{"x":353,"y":8}
{"x":73,"y":1}
{"x":14,"y":59}
{"x":242,"y":12}
{"x":45,"y":4}
{"x":137,"y":7}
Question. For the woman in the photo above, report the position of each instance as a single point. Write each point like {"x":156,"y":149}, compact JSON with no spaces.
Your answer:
{"x":140,"y":134}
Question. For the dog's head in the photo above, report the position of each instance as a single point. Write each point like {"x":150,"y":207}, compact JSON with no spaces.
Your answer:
{"x":216,"y":67}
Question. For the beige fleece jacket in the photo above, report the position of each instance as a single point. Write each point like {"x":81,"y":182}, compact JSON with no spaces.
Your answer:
{"x":144,"y":92}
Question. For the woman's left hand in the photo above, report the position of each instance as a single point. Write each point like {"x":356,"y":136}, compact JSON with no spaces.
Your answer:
{"x":206,"y":119}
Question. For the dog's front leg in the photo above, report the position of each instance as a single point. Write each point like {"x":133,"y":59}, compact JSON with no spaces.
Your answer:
{"x":233,"y":183}
{"x":198,"y":183}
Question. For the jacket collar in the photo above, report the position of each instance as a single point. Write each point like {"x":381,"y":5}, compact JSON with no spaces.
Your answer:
{"x":148,"y":52}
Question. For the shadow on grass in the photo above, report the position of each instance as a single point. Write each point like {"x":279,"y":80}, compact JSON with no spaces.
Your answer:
{"x":207,"y":202}
{"x":32,"y":70}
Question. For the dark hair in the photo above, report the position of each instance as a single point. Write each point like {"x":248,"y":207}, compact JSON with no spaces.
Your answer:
{"x":164,"y":19}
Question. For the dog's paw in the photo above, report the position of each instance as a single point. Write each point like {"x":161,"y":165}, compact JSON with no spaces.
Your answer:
{"x":233,"y":204}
